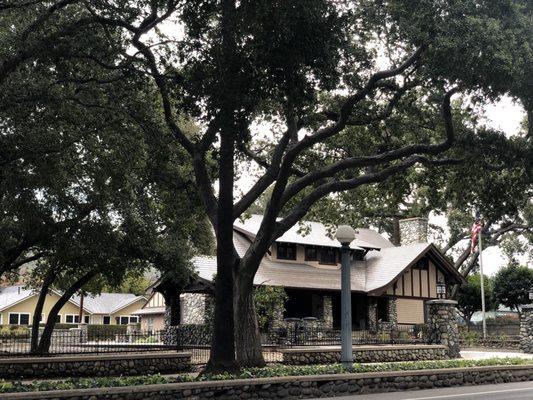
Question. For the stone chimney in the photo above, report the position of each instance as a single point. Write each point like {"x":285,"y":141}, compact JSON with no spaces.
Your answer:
{"x":413,"y":230}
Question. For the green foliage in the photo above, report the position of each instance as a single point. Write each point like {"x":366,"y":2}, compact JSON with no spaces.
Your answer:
{"x":469,"y":296}
{"x":105,"y":332}
{"x":512,"y":285}
{"x":249,"y":373}
{"x":269,"y":300}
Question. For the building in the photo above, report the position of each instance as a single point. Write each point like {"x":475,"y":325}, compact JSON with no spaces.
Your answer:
{"x":390,"y":284}
{"x":17,"y":306}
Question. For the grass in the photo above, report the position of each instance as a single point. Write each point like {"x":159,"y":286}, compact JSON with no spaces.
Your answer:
{"x":248,"y":373}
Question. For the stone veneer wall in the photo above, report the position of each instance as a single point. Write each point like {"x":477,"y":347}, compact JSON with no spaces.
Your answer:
{"x":372,"y":314}
{"x":526,"y":329}
{"x":442,"y":321}
{"x":193,"y":308}
{"x":101,"y":365}
{"x":365,"y":354}
{"x":413,"y":230}
{"x":327,"y":312}
{"x":297,"y":387}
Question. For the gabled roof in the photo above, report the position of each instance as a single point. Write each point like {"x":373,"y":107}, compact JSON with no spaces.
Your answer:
{"x":316,"y":235}
{"x":105,"y":303}
{"x":380,"y":268}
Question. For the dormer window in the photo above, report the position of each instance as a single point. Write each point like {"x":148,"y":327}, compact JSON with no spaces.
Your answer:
{"x":328,"y":255}
{"x":311,"y":253}
{"x":286,"y":251}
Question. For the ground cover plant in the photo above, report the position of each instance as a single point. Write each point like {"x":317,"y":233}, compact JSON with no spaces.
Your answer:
{"x":249,"y":373}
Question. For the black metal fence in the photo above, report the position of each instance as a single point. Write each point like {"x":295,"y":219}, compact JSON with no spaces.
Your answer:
{"x":496,"y":329}
{"x":76,"y":341}
{"x":197,"y":338}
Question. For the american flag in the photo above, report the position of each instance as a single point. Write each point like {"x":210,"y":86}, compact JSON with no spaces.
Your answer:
{"x":475,"y":231}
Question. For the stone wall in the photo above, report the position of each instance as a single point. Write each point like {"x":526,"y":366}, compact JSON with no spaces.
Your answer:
{"x":413,"y":230}
{"x":526,"y":329}
{"x":297,"y":387}
{"x":365,"y":354}
{"x":101,"y":365}
{"x":442,"y":321}
{"x":372,"y":314}
{"x":327,"y":312}
{"x":193,"y":308}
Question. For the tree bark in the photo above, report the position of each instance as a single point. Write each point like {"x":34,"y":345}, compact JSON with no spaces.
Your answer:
{"x":46,"y":337}
{"x":247,"y":335}
{"x":48,"y":280}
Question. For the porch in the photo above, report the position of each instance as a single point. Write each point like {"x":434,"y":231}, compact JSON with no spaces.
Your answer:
{"x":325,"y":306}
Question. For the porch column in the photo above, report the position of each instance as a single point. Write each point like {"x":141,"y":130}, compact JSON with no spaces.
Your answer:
{"x":393,"y":314}
{"x":526,"y":329}
{"x":372,"y":314}
{"x":327,"y":312}
{"x":442,"y":317}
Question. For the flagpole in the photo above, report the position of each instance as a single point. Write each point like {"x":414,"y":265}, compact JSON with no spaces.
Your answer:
{"x":482,"y":286}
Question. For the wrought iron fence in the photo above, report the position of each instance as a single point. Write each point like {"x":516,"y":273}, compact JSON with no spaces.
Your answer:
{"x":76,"y":341}
{"x":196,"y":339}
{"x":496,"y":329}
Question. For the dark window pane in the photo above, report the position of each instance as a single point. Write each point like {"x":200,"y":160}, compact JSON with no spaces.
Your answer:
{"x":310,"y":253}
{"x":69,"y":319}
{"x":107,"y":320}
{"x":134,"y":319}
{"x":86,"y":319}
{"x":124,"y":320}
{"x":24,"y":319}
{"x":286,"y":251}
{"x":383,"y":309}
{"x":58,"y":319}
{"x":13,"y":319}
{"x":328,"y":255}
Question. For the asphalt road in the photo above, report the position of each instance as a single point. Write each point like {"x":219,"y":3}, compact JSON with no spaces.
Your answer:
{"x":505,"y":391}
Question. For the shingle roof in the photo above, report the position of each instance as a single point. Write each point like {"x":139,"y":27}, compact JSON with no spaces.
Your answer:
{"x":317,"y":235}
{"x":105,"y":303}
{"x":13,"y":294}
{"x":378,"y":270}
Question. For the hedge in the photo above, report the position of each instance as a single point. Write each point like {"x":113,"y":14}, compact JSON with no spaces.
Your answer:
{"x":267,"y":372}
{"x":105,"y":332}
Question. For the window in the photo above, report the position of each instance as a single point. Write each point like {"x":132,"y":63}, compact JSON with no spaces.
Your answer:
{"x":19,"y":319}
{"x":58,"y":318}
{"x":311,"y":253}
{"x":72,"y":319}
{"x":125,"y":320}
{"x":107,"y":320}
{"x":286,"y":251}
{"x":422,"y":264}
{"x":86,"y":319}
{"x":328,"y":255}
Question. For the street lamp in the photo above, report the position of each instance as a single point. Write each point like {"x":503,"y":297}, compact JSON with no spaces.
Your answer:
{"x":441,"y":289}
{"x":345,"y":235}
{"x":531,"y":293}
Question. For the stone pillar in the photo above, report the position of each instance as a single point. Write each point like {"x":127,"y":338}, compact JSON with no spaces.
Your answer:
{"x":83,"y":330}
{"x":372,"y":314}
{"x":393,"y":314}
{"x":526,"y":329}
{"x":442,"y":321}
{"x":327,"y":312}
{"x":277,"y":322}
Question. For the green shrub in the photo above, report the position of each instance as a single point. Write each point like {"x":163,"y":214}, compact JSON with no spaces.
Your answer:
{"x":267,"y":372}
{"x":105,"y":332}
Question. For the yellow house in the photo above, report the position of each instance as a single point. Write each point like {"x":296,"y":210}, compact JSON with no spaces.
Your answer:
{"x":17,"y":306}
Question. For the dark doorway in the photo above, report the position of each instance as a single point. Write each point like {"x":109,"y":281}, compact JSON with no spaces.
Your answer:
{"x":359,"y":310}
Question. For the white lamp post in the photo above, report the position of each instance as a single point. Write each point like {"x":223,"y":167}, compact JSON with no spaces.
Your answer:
{"x":345,"y":235}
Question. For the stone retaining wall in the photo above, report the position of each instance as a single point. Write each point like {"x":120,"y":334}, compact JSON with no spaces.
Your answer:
{"x":296,"y":387}
{"x":101,"y":365}
{"x":364,"y":354}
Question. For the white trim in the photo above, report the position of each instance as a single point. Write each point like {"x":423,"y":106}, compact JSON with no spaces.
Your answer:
{"x":73,"y":319}
{"x":18,"y":320}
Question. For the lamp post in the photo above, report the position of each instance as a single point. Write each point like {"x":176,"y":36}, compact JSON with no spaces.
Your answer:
{"x":345,"y":235}
{"x":441,"y":289}
{"x":531,"y":294}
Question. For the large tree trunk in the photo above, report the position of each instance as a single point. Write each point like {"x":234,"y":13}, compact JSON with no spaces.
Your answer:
{"x":46,"y":337}
{"x":247,"y":335}
{"x":48,"y":280}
